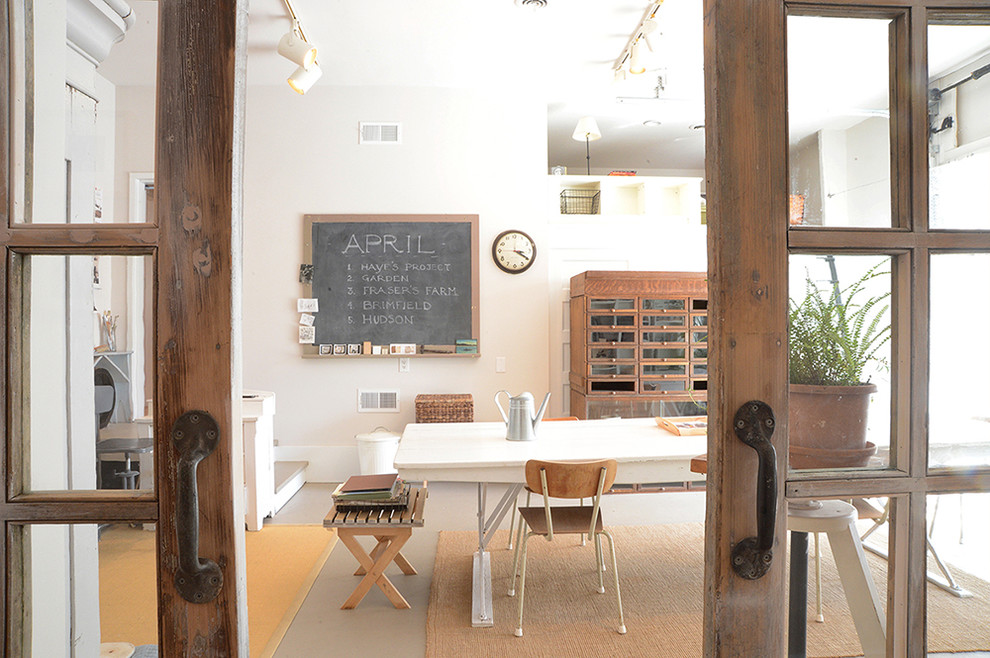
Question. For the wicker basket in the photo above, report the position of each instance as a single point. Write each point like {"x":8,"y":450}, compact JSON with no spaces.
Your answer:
{"x":444,"y":408}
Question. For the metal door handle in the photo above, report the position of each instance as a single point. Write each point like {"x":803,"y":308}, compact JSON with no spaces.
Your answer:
{"x":754,"y":424}
{"x":195,"y":435}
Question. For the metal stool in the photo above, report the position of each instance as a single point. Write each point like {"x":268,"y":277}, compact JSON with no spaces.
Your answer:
{"x":127,"y":447}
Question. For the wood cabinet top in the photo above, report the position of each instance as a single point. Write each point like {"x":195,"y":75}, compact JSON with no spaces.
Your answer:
{"x":624,"y":282}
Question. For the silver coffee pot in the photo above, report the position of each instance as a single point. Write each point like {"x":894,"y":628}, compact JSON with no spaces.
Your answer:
{"x":521,"y":421}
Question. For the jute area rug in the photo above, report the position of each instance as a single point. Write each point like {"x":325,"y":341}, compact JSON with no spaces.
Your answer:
{"x":282,"y":563}
{"x":661,"y":571}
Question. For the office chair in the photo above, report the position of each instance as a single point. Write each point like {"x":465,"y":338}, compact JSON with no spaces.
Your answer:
{"x":106,"y":400}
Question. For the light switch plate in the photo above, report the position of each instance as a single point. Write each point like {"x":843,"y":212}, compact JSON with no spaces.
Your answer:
{"x":499,"y":364}
{"x":404,"y":364}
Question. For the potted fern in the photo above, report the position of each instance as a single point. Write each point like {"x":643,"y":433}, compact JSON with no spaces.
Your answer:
{"x":833,"y":336}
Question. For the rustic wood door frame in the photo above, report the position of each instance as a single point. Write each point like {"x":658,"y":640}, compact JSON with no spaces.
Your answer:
{"x":194,"y":239}
{"x":745,"y":64}
{"x":746,"y":192}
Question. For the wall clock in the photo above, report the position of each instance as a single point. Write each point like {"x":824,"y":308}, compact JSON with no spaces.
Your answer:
{"x":513,"y":251}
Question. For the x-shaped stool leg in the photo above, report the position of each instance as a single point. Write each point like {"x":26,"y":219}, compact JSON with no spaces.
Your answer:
{"x":373,"y":568}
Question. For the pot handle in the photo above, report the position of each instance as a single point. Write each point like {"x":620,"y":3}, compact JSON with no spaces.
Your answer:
{"x":754,"y":424}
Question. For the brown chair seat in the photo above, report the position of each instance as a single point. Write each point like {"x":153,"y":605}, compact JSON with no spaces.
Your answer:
{"x":570,"y":520}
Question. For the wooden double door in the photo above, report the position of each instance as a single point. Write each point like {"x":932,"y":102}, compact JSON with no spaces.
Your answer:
{"x":54,"y":270}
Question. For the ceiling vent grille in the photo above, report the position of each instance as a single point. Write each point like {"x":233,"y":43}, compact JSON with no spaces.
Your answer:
{"x":380,"y":133}
{"x":380,"y":401}
{"x":533,"y":4}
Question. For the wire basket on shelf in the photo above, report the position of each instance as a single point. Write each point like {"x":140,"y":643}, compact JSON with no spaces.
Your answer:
{"x":579,"y":202}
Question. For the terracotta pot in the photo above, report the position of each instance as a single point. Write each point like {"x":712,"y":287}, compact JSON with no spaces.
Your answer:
{"x":829,"y":417}
{"x":803,"y":457}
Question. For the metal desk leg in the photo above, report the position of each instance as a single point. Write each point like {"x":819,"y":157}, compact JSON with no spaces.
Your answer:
{"x":797,"y":614}
{"x":481,"y":583}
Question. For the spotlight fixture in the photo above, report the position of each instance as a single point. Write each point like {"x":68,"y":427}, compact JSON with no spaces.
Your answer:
{"x":631,"y":55}
{"x":635,"y":60}
{"x":303,"y":79}
{"x":587,"y":130}
{"x":296,"y":48}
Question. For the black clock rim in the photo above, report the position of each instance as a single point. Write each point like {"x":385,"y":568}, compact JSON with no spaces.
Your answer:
{"x":495,"y":257}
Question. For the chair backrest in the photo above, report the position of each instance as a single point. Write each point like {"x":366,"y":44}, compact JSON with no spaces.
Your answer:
{"x":106,"y":396}
{"x":570,"y":479}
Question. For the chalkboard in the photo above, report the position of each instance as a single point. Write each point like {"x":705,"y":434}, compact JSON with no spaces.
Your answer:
{"x":387,"y":280}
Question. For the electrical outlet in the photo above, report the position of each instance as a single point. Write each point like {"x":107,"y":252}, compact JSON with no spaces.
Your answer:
{"x":499,"y":364}
{"x":404,"y":364}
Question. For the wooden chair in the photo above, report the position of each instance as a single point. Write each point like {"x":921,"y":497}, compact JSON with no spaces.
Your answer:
{"x":568,"y":480}
{"x":529,"y":493}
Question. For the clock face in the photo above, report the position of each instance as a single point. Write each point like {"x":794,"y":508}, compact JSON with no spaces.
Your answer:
{"x":513,"y":251}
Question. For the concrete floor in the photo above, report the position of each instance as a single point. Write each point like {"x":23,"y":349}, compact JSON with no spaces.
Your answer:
{"x":375,"y":628}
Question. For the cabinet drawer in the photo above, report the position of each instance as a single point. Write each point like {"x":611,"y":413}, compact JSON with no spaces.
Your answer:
{"x":612,"y":369}
{"x":663,"y":370}
{"x":663,"y":385}
{"x":612,"y":386}
{"x":612,"y":337}
{"x":612,"y":353}
{"x":611,"y":320}
{"x":663,"y":304}
{"x":664,"y":337}
{"x":663,"y":353}
{"x":672,"y":320}
{"x":612,"y":304}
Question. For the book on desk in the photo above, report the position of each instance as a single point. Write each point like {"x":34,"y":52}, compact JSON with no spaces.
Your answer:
{"x":372,"y":491}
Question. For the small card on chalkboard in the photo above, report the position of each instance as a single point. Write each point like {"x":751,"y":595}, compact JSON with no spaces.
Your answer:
{"x":684,"y":425}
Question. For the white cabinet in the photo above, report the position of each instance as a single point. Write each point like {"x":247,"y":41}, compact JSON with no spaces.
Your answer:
{"x":258,"y":420}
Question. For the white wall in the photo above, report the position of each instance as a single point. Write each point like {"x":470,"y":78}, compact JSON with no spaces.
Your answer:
{"x":463,"y":151}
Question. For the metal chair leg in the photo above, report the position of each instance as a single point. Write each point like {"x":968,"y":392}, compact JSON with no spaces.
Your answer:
{"x":522,"y":584}
{"x":599,"y":563}
{"x":515,"y":558}
{"x":615,"y":578}
{"x":820,"y":618}
{"x":512,"y":520}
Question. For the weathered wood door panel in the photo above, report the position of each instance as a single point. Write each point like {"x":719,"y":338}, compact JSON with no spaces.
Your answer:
{"x":752,"y":173}
{"x":192,"y":245}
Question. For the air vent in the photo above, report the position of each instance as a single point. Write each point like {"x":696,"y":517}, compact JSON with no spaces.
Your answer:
{"x":380,"y":133}
{"x":533,"y":4}
{"x":381,"y":401}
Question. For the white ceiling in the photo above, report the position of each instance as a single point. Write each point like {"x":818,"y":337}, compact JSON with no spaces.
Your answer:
{"x":564,"y":52}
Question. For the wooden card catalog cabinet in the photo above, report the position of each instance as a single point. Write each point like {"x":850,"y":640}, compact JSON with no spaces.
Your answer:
{"x":639,"y":344}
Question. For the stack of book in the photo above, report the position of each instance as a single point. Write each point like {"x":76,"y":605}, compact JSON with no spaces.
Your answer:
{"x":360,"y":492}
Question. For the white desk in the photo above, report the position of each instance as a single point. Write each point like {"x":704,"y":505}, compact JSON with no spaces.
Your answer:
{"x":479,"y":452}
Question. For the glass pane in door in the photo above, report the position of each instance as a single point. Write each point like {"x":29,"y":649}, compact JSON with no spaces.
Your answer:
{"x":839,"y":340}
{"x":839,"y":121}
{"x":959,"y":361}
{"x":83,"y":111}
{"x":83,"y":373}
{"x":84,"y":589}
{"x":959,"y":120}
{"x":958,"y":572}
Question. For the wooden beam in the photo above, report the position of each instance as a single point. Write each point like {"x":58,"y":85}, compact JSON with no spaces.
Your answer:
{"x":198,"y":159}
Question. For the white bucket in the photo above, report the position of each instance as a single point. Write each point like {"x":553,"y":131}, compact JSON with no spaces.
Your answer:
{"x":376,"y":451}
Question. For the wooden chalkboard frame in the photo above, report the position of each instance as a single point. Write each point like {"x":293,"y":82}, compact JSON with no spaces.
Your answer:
{"x":434,"y":350}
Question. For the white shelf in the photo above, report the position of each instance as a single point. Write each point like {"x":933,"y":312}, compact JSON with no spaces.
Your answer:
{"x":662,"y":197}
